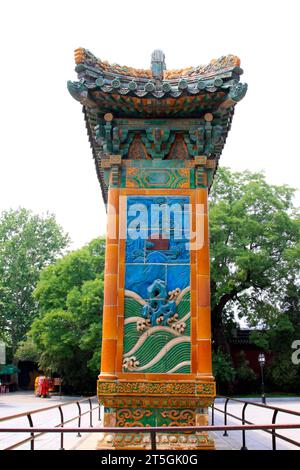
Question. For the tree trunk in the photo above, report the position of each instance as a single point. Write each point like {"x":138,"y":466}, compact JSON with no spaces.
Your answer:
{"x":218,"y":333}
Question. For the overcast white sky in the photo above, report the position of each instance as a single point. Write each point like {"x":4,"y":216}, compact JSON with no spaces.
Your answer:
{"x":46,"y":162}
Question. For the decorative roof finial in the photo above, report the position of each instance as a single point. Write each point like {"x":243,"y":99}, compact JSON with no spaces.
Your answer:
{"x":158,"y":64}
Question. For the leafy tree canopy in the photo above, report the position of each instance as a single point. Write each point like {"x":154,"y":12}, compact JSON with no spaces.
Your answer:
{"x":282,"y":374}
{"x":254,"y":238}
{"x":67,"y":333}
{"x":28,"y":243}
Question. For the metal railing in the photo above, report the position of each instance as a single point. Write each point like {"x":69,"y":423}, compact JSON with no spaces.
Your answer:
{"x":242,"y":418}
{"x":246,"y":425}
{"x":154,"y":430}
{"x":59,"y":426}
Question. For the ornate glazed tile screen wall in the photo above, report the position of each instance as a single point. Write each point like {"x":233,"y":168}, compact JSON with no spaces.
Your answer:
{"x":156,"y":137}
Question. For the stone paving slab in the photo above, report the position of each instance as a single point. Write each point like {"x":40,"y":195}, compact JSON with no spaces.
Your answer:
{"x":20,"y":402}
{"x":260,"y":440}
{"x":255,"y":440}
{"x":89,"y":442}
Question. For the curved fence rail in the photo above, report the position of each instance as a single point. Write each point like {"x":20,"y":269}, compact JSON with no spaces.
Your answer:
{"x":61,"y":425}
{"x":271,"y":430}
{"x":154,"y":430}
{"x":36,"y":431}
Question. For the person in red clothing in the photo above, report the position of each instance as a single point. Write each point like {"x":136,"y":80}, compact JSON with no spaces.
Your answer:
{"x":39,"y":385}
{"x":42,"y":386}
{"x":45,"y":387}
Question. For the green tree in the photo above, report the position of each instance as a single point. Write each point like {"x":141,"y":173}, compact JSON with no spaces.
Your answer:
{"x":282,"y":374}
{"x":223,"y":371}
{"x":67,"y":333}
{"x":246,"y":380}
{"x":28,"y":243}
{"x":254,"y":237}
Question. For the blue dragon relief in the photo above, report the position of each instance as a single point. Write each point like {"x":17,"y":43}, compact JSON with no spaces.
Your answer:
{"x":161,"y":308}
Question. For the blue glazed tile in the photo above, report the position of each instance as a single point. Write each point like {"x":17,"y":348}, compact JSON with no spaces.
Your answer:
{"x":166,"y":256}
{"x":136,"y":234}
{"x":137,"y":214}
{"x":135,"y":250}
{"x":178,"y":276}
{"x":176,"y":253}
{"x":157,"y":212}
{"x":177,"y":200}
{"x":181,"y":248}
{"x":139,"y":277}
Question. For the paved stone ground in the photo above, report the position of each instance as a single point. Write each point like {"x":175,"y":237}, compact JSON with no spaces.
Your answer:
{"x":255,"y":440}
{"x":20,"y":402}
{"x":258,"y":440}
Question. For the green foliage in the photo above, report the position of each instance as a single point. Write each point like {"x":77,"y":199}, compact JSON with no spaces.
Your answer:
{"x":223,"y":370}
{"x":68,"y":331}
{"x":260,"y":339}
{"x":27,"y":351}
{"x":254,"y":237}
{"x":281,"y":373}
{"x":28,"y":243}
{"x":245,"y":379}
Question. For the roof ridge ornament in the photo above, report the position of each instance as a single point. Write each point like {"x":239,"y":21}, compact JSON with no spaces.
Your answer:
{"x":158,"y":64}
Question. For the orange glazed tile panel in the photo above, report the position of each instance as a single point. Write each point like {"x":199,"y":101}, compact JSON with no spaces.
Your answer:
{"x":203,"y":291}
{"x":110,"y":289}
{"x":204,"y":356}
{"x":110,"y":325}
{"x":112,"y":259}
{"x":203,"y":323}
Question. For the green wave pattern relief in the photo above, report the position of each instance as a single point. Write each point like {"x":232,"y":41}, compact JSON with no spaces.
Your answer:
{"x":178,"y":354}
{"x":162,"y":348}
{"x":132,"y":308}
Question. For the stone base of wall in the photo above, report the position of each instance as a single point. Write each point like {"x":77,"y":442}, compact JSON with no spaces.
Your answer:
{"x":155,"y":404}
{"x":167,"y":441}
